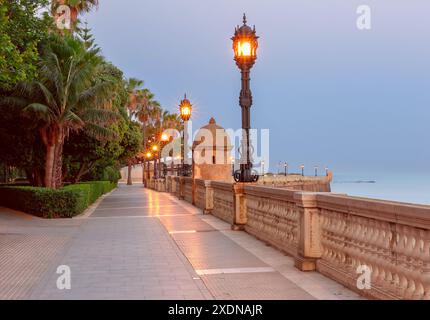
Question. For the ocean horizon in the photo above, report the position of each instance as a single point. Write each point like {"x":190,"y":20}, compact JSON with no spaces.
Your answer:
{"x":408,"y":188}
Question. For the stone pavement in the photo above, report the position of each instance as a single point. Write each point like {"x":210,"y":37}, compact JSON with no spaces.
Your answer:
{"x":140,"y":244}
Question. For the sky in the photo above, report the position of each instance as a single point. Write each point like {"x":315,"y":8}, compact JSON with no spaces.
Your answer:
{"x":332,"y":95}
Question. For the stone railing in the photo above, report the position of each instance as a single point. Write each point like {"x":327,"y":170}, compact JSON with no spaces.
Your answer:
{"x":187,"y":184}
{"x":203,"y":195}
{"x":391,"y":239}
{"x":169,"y":186}
{"x":176,"y":187}
{"x":342,"y":237}
{"x":152,"y":184}
{"x":157,"y":185}
{"x":297,"y":182}
{"x":223,"y":201}
{"x":272,"y":216}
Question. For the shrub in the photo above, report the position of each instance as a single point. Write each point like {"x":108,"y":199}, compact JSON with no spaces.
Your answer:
{"x":47,"y":203}
{"x":111,"y":174}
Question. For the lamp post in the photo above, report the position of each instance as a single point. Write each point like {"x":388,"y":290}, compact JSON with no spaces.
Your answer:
{"x":303,"y":170}
{"x":155,"y":150}
{"x":185,"y":111}
{"x":245,"y":44}
{"x":316,"y":171}
{"x":327,"y":171}
{"x":164,"y":140}
{"x":286,"y":168}
{"x":149,"y":156}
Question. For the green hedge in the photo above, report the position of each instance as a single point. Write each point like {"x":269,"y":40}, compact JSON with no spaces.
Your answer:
{"x":67,"y":202}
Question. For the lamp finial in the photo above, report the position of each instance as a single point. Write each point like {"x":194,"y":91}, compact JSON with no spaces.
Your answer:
{"x":244,"y":18}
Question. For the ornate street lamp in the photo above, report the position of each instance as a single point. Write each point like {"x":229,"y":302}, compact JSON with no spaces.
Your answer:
{"x":148,"y":157}
{"x":303,"y":170}
{"x":185,"y":111}
{"x":286,"y":168}
{"x":164,"y":137}
{"x":245,"y":44}
{"x":155,"y":151}
{"x":316,"y":168}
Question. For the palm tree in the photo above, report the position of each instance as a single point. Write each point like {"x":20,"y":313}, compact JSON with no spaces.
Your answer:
{"x":171,"y":121}
{"x":134,"y":102}
{"x":133,"y":87}
{"x":77,"y":7}
{"x":67,"y":96}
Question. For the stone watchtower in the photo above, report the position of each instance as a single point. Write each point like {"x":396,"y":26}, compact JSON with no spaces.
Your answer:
{"x":212,"y":153}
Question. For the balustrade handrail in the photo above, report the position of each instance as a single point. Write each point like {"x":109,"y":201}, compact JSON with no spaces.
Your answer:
{"x":391,"y":211}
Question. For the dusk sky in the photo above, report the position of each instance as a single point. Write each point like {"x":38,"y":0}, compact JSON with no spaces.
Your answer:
{"x":330,"y":94}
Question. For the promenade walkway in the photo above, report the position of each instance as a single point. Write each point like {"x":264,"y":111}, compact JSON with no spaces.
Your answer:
{"x":140,"y":244}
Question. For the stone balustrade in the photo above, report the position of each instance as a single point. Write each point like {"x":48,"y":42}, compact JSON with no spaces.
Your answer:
{"x":392,"y":239}
{"x":169,"y":186}
{"x":223,"y":201}
{"x":337,"y":235}
{"x":297,"y":182}
{"x":203,"y":195}
{"x":176,"y":186}
{"x":187,"y":185}
{"x":272,"y":216}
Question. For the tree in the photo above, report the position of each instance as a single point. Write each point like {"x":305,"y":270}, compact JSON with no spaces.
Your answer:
{"x":66,"y":98}
{"x":87,"y":37}
{"x":135,"y":99}
{"x":19,"y":146}
{"x":21,"y":31}
{"x":89,"y":158}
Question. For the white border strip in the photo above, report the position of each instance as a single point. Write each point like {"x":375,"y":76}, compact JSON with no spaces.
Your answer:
{"x":183,"y":232}
{"x":206,"y":272}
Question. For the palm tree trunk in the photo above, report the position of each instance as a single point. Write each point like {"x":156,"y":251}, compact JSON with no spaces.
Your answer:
{"x":129,"y":180}
{"x":49,"y":165}
{"x":143,"y":171}
{"x":57,"y":172}
{"x":144,"y":147}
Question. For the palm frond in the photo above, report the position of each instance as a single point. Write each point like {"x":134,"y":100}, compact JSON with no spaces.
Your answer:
{"x":100,"y":133}
{"x":14,"y":102}
{"x":99,"y":116}
{"x":74,"y":121}
{"x":96,"y":95}
{"x":41,"y":111}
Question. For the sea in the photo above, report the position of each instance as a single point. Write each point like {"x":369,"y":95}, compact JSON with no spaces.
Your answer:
{"x":409,"y":188}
